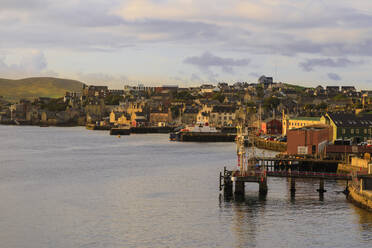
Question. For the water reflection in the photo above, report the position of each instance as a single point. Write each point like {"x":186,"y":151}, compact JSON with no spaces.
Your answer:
{"x":365,"y":220}
{"x":246,"y":213}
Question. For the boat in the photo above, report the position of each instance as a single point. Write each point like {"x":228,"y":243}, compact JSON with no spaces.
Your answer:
{"x":121,"y":130}
{"x":201,"y":132}
{"x":97,"y":127}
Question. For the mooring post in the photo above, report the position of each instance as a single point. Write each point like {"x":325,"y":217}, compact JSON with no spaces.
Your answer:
{"x":293,"y":185}
{"x":321,"y":189}
{"x":239,"y":189}
{"x":227,"y":184}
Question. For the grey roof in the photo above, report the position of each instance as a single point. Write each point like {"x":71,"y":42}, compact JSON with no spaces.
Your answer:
{"x":351,"y":120}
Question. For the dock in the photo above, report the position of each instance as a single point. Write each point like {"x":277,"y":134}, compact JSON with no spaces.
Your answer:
{"x":255,"y":169}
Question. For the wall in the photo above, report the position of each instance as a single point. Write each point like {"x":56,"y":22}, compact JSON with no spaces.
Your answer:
{"x":307,"y":138}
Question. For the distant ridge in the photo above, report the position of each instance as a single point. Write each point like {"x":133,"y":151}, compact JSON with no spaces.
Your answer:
{"x":34,"y":87}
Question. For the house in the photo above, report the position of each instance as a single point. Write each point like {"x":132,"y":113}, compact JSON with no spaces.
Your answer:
{"x":266,"y":81}
{"x":95,"y":91}
{"x":273,"y":126}
{"x":48,"y":117}
{"x":189,"y":115}
{"x":204,"y":113}
{"x":222,"y":115}
{"x":138,"y":119}
{"x":349,"y":126}
{"x":347,"y":89}
{"x":332,"y":90}
{"x":119,"y":118}
{"x":308,"y":140}
{"x":160,"y":116}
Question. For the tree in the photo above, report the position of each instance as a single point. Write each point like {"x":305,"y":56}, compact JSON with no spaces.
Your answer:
{"x":271,"y":103}
{"x":113,"y":99}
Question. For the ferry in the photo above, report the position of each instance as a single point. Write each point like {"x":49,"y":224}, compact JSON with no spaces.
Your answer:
{"x":201,"y":132}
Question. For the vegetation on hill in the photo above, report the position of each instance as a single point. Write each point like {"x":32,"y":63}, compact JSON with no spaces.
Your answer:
{"x":30,"y":88}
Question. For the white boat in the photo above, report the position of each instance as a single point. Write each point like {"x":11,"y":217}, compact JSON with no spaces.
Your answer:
{"x":200,"y":128}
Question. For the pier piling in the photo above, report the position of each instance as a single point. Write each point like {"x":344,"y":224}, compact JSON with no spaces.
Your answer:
{"x":263,"y":187}
{"x":239,"y":189}
{"x":321,"y":189}
{"x":293,"y":185}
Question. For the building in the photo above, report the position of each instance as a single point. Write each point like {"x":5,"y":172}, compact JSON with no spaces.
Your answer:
{"x":349,"y":126}
{"x":310,"y":140}
{"x":189,"y":115}
{"x":332,"y":90}
{"x":266,"y":81}
{"x":119,"y":118}
{"x":95,"y":91}
{"x":159,"y":116}
{"x":297,"y":122}
{"x":273,"y":126}
{"x":222,"y":115}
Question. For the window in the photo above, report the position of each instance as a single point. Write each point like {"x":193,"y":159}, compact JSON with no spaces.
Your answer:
{"x":343,"y":131}
{"x":352,"y":131}
{"x":365,"y":130}
{"x":357,"y":131}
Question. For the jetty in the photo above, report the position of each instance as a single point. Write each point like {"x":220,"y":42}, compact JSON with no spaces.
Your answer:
{"x":255,"y":169}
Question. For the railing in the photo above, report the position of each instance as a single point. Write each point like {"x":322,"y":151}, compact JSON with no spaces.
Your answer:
{"x":306,"y":174}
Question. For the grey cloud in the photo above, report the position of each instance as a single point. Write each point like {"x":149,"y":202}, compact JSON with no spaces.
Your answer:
{"x":334,"y":76}
{"x":254,"y":74}
{"x":34,"y":64}
{"x":207,"y":60}
{"x":310,"y":64}
{"x":21,"y":4}
{"x":195,"y":77}
{"x":100,"y":78}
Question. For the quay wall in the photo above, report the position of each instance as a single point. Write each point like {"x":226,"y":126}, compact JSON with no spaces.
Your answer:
{"x":269,"y":144}
{"x":362,"y":199}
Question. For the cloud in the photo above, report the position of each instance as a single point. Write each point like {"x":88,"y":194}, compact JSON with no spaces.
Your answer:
{"x":207,"y":60}
{"x":334,"y":76}
{"x":101,"y":78}
{"x":254,"y":74}
{"x":195,"y":77}
{"x":310,"y":64}
{"x":32,"y":64}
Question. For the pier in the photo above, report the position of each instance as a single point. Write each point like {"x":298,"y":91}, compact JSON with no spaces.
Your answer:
{"x":258,"y":169}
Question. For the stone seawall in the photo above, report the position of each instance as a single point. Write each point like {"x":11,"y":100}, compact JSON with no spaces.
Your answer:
{"x":362,"y":199}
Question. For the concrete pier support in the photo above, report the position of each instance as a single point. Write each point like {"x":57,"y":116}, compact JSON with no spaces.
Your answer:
{"x":239,"y":189}
{"x":263,"y":187}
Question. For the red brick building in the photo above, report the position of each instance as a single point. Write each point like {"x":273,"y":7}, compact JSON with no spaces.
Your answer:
{"x":271,"y":127}
{"x":308,"y":140}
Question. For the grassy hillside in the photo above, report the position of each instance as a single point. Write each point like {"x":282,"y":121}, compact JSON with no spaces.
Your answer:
{"x":29,"y":88}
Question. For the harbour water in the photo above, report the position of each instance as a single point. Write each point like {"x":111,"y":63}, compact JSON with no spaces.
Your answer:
{"x":71,"y":187}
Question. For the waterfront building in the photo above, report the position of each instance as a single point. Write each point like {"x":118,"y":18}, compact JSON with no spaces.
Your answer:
{"x":189,"y":115}
{"x":272,"y":126}
{"x":297,"y":122}
{"x":308,"y":140}
{"x":349,"y":126}
{"x":222,"y":115}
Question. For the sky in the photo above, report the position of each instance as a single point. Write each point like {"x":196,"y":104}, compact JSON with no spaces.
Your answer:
{"x":185,"y":42}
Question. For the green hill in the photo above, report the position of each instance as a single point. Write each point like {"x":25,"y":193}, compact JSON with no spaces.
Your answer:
{"x":29,"y":88}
